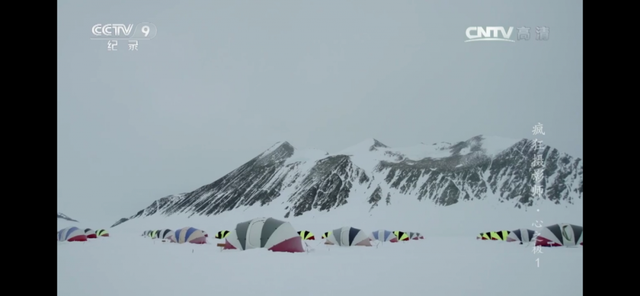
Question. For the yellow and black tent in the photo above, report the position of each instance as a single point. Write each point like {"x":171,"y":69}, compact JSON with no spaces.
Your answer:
{"x":306,"y":235}
{"x":401,"y":236}
{"x":222,"y":234}
{"x":494,"y":235}
{"x":326,"y":235}
{"x":101,"y":232}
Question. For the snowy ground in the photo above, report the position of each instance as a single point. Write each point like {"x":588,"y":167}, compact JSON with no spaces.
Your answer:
{"x":127,"y":264}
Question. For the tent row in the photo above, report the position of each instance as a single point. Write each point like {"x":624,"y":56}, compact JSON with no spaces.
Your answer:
{"x":556,"y":235}
{"x":183,"y":235}
{"x":379,"y":235}
{"x":280,"y":236}
{"x":75,"y":234}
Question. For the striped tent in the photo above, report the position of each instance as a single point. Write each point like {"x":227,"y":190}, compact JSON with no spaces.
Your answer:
{"x":348,"y":237}
{"x":267,"y":233}
{"x":383,"y":235}
{"x":306,"y":235}
{"x":90,"y":233}
{"x":521,"y":235}
{"x":415,"y":236}
{"x":102,"y":232}
{"x":494,"y":235}
{"x":400,"y":236}
{"x":222,"y":234}
{"x":189,"y":235}
{"x":557,"y":235}
{"x":326,"y":234}
{"x":164,"y":234}
{"x":72,"y":234}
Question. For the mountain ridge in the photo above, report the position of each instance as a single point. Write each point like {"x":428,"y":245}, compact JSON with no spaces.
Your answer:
{"x":65,"y":217}
{"x":303,"y":180}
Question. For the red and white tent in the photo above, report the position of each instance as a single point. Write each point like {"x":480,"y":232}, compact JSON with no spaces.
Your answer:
{"x":557,"y":235}
{"x":90,"y":233}
{"x":72,"y":234}
{"x":266,"y":233}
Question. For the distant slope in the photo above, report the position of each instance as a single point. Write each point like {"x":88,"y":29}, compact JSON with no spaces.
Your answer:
{"x":294,"y":182}
{"x":65,"y":217}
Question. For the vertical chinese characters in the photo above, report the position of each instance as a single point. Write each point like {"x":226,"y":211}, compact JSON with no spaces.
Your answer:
{"x":537,"y":249}
{"x":537,"y":191}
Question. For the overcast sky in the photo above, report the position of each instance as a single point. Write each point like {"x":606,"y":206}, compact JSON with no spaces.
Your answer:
{"x":224,"y":80}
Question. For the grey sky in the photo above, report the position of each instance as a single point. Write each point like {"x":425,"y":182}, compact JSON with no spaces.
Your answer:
{"x":224,"y":80}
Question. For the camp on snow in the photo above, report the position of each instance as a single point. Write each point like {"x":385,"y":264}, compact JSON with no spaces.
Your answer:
{"x":266,"y":233}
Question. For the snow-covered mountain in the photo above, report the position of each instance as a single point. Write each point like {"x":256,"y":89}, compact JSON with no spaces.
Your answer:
{"x":294,"y":182}
{"x":65,"y":217}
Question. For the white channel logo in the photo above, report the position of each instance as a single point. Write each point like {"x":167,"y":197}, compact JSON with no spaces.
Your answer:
{"x":489,"y":34}
{"x":143,"y":31}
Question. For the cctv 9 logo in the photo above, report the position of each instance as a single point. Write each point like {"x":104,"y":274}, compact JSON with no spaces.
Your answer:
{"x":143,"y":31}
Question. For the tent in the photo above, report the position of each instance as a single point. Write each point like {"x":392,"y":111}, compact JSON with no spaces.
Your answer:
{"x":494,"y":235}
{"x":400,"y":236}
{"x":102,"y":232}
{"x":415,"y":236}
{"x":267,"y":233}
{"x":156,"y":233}
{"x":306,"y":235}
{"x":189,"y":235}
{"x":521,"y":235}
{"x":90,"y":233}
{"x":562,"y":234}
{"x":348,"y":237}
{"x":326,"y":234}
{"x":483,"y":236}
{"x":165,"y":234}
{"x":72,"y":234}
{"x":222,"y":234}
{"x":383,"y":235}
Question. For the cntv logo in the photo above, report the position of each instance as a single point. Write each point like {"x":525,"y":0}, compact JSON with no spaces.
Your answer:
{"x":489,"y":34}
